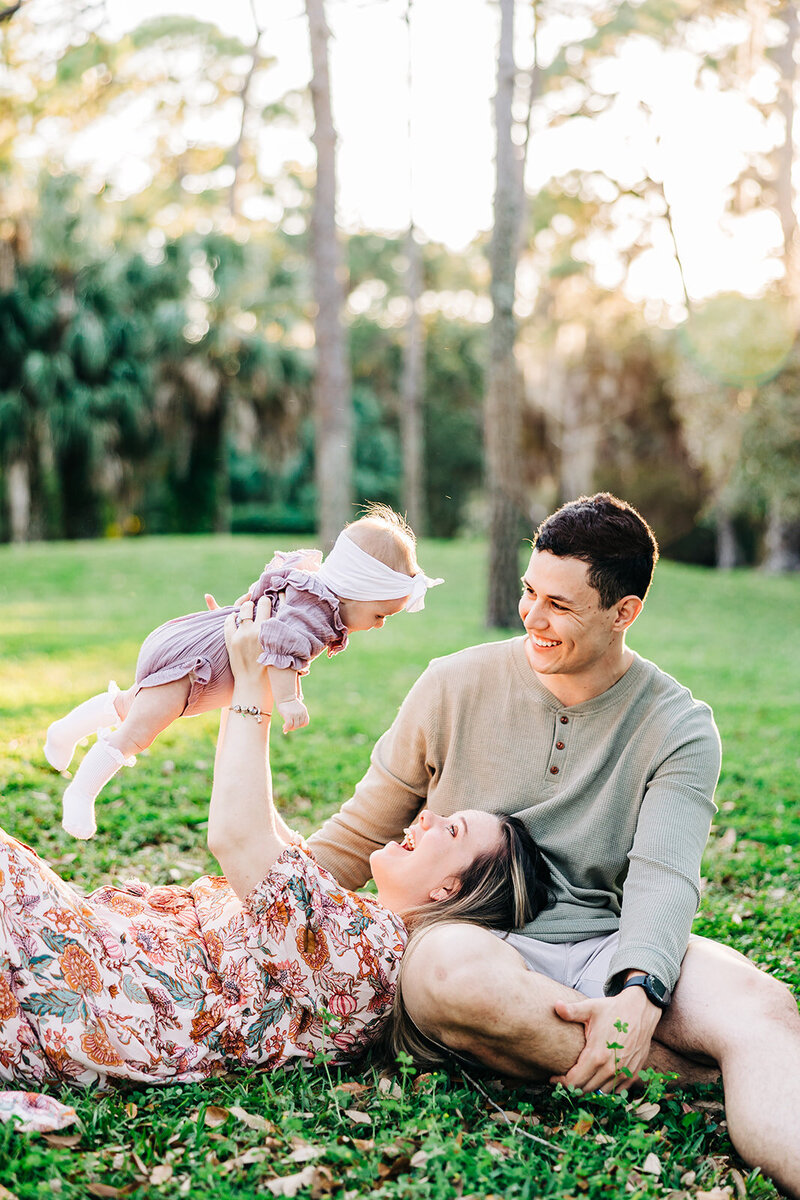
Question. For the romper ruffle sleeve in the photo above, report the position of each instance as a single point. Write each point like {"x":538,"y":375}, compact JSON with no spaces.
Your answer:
{"x":305,"y":613}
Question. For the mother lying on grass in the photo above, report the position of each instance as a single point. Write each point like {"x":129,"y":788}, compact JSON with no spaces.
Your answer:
{"x":271,"y":962}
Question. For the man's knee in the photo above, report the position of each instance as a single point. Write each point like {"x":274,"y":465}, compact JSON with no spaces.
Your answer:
{"x":446,"y":987}
{"x":469,"y":990}
{"x":741,"y":999}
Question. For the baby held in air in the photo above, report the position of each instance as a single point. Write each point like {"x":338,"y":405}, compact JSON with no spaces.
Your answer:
{"x":183,"y":669}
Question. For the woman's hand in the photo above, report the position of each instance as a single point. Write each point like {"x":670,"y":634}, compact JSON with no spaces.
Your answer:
{"x":244,"y":647}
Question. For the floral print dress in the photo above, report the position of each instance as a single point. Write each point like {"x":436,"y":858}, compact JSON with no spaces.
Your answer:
{"x":174,"y":984}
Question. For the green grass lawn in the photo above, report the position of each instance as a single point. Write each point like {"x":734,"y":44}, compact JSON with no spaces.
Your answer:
{"x":73,"y":615}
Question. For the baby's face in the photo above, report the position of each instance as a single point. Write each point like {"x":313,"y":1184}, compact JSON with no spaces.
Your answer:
{"x":358,"y":615}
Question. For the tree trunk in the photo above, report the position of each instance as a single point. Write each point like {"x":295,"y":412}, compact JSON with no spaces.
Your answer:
{"x":727,"y":555}
{"x":779,"y":538}
{"x":411,"y":389}
{"x":580,"y":441}
{"x":781,"y":542}
{"x":503,"y":418}
{"x":411,"y":383}
{"x":333,"y":414}
{"x":244,"y":96}
{"x":18,"y":493}
{"x":784,"y":58}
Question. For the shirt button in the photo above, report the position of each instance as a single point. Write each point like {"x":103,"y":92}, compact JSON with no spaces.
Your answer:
{"x":559,"y":745}
{"x":554,"y":770}
{"x":564,"y":720}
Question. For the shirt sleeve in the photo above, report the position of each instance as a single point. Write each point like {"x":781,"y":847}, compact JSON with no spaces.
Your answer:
{"x":662,"y":889}
{"x":299,"y":631}
{"x":391,"y":793}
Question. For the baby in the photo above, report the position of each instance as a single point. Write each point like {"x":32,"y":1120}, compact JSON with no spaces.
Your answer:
{"x":370,"y":574}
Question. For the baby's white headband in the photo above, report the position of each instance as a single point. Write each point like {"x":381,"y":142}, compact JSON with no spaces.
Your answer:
{"x":350,"y":572}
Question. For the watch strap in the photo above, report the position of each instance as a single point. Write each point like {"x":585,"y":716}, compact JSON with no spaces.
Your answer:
{"x":656,"y":991}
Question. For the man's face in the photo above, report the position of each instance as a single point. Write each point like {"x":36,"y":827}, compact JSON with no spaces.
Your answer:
{"x":568,"y":632}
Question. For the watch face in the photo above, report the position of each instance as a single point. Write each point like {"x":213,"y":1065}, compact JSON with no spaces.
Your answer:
{"x":656,"y":989}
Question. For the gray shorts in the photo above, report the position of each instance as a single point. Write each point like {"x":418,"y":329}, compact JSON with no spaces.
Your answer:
{"x":579,"y":965}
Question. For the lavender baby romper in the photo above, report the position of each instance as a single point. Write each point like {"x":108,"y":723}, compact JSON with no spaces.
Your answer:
{"x":305,"y":621}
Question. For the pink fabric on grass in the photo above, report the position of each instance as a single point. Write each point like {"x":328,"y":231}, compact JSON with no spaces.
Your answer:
{"x":35,"y":1112}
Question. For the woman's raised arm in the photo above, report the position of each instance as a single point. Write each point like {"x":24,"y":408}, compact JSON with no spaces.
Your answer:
{"x":245,"y":834}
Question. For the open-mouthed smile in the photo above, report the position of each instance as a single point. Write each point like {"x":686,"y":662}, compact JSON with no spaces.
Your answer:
{"x":409,"y":842}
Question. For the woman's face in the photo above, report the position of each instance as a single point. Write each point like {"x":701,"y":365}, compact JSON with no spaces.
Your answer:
{"x":429,"y":861}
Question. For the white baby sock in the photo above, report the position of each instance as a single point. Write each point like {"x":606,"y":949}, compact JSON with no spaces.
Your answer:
{"x":63,"y":735}
{"x":101,"y":763}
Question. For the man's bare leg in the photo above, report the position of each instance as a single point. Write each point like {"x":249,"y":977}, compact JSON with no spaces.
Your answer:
{"x":748,"y":1022}
{"x":510,"y":1025}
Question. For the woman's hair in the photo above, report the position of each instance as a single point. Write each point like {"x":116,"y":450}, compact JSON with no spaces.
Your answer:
{"x":501,"y":889}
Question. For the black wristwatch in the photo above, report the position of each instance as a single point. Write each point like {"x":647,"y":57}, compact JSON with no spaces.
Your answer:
{"x":657,"y":992}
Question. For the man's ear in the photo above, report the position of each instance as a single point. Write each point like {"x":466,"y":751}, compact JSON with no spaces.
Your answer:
{"x":627,"y":610}
{"x":446,"y":890}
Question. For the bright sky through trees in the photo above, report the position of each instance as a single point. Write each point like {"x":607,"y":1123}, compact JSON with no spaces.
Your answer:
{"x":694,"y":139}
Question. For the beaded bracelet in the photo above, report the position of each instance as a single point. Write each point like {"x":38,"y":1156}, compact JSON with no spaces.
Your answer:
{"x":251,"y":710}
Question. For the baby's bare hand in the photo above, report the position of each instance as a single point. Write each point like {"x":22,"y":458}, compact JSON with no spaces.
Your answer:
{"x":212,"y":606}
{"x":294,"y":713}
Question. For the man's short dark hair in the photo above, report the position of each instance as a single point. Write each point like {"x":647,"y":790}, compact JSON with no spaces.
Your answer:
{"x":609,"y":535}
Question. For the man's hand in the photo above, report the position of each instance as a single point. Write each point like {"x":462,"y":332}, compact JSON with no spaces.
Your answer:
{"x":605,"y":1019}
{"x":294,"y":713}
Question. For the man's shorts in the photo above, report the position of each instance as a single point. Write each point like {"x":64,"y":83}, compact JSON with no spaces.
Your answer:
{"x":579,"y":965}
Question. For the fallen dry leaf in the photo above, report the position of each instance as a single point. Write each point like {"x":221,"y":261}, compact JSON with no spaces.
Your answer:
{"x":419,"y":1159}
{"x":103,"y":1189}
{"x":582,"y":1126}
{"x":390,"y":1087}
{"x":254,"y":1155}
{"x":422,"y":1082}
{"x":723,"y":1193}
{"x":290,"y":1185}
{"x":59,"y":1140}
{"x":251,"y":1120}
{"x":498,"y":1149}
{"x":304,"y":1151}
{"x":652,"y":1164}
{"x":131,"y":1109}
{"x":391,"y":1170}
{"x":364,"y":1143}
{"x":738,"y":1183}
{"x":353,"y":1089}
{"x":5,"y":1194}
{"x":161,"y":1173}
{"x":688,"y":1178}
{"x":215,"y":1115}
{"x":358,"y":1117}
{"x":646,"y":1111}
{"x":323,"y":1183}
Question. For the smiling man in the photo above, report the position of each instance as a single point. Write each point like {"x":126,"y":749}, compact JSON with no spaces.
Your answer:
{"x":612,"y":765}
